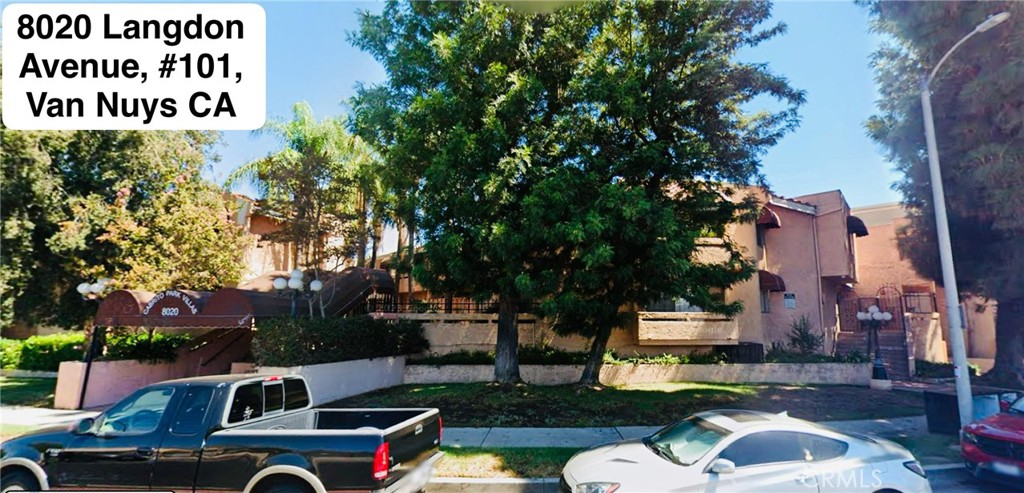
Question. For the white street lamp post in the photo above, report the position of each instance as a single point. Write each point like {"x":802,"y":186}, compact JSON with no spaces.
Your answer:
{"x":295,"y":282}
{"x":956,"y":335}
{"x":875,"y":318}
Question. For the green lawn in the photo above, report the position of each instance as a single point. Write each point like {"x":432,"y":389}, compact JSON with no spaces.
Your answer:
{"x":503,"y":462}
{"x":485,"y":404}
{"x":35,"y":392}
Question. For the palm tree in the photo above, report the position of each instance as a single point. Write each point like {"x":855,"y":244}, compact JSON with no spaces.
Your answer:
{"x":313,"y":181}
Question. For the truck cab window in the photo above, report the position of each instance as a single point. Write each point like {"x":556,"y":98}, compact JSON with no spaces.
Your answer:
{"x":247,"y":403}
{"x":273,"y":397}
{"x":295,"y":394}
{"x":138,"y":414}
{"x":192,"y":413}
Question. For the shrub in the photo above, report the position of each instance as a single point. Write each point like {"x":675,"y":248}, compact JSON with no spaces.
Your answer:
{"x":779,"y":354}
{"x":310,"y":341}
{"x":10,"y":353}
{"x":45,"y":353}
{"x":709,"y":358}
{"x":460,"y":357}
{"x":929,"y":369}
{"x":143,"y":346}
{"x":802,"y":338}
{"x":539,"y":354}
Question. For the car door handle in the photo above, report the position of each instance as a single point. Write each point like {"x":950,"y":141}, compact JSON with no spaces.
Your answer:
{"x":145,"y":452}
{"x":807,"y":480}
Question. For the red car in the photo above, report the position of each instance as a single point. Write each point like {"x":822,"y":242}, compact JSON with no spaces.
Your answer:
{"x":994,"y":447}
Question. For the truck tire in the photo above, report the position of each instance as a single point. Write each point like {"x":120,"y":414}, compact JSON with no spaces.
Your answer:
{"x":19,"y":480}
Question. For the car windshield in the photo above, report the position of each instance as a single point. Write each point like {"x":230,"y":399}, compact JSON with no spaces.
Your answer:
{"x":687,"y":441}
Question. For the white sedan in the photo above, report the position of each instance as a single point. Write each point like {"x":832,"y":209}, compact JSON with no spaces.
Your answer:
{"x":745,"y":451}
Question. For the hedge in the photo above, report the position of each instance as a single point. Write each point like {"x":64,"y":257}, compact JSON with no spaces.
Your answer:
{"x":45,"y":353}
{"x":310,"y":341}
{"x":547,"y":355}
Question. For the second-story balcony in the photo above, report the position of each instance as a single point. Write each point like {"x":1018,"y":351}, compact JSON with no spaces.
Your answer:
{"x":685,"y":329}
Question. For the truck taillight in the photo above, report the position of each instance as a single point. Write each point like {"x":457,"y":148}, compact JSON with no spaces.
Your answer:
{"x":440,"y":429}
{"x":380,"y":461}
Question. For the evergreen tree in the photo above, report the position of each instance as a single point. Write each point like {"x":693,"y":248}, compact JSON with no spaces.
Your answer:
{"x":979,"y":124}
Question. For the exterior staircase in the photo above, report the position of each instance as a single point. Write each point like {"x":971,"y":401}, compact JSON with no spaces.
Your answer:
{"x":895,"y":356}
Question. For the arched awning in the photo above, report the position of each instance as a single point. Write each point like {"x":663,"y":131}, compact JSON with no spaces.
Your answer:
{"x":769,"y":219}
{"x":770,"y":282}
{"x":856,"y":226}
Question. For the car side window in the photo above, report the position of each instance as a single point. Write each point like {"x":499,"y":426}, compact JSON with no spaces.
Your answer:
{"x":138,"y":414}
{"x":192,"y":413}
{"x":247,"y":403}
{"x":767,"y":447}
{"x":823,"y":448}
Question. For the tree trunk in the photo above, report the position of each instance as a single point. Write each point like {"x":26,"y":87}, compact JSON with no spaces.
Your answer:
{"x":1009,"y":362}
{"x":506,"y":360}
{"x":592,"y":370}
{"x":412,"y":252}
{"x":378,"y":234}
{"x":363,"y":231}
{"x":448,"y":302}
{"x":396,"y":260}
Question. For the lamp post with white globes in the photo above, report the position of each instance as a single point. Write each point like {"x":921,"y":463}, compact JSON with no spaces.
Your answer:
{"x":92,"y":291}
{"x":296,"y":286}
{"x":874,"y":318}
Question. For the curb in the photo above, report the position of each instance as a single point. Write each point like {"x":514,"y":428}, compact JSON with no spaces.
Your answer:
{"x":494,"y":485}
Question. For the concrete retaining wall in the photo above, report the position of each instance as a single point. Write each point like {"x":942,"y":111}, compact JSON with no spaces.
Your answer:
{"x":810,"y":373}
{"x":332,"y":381}
{"x":109,"y":381}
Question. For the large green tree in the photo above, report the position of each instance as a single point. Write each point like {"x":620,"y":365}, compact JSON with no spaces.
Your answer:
{"x":313,"y":181}
{"x":573,"y":156}
{"x":979,"y":122}
{"x":654,"y":141}
{"x":81,"y":205}
{"x":457,"y":123}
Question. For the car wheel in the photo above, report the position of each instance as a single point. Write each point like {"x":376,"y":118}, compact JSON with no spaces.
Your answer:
{"x":18,"y":481}
{"x":972,"y":467}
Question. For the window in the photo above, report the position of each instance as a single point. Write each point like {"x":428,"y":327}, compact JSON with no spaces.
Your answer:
{"x":295,"y":394}
{"x":823,"y":448}
{"x":192,"y":413}
{"x":768,"y":447}
{"x":766,"y":301}
{"x":273,"y":397}
{"x":247,"y":403}
{"x":138,"y":414}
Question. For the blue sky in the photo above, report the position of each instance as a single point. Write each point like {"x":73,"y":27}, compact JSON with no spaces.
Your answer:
{"x":825,"y":52}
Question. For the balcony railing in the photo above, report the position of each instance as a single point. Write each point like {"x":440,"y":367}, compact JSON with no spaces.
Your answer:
{"x":685,"y":329}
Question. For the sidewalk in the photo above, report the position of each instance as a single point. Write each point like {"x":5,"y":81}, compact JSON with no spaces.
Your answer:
{"x":508,"y":437}
{"x":588,"y":437}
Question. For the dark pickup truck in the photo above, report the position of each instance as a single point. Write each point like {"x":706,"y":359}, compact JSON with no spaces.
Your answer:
{"x":229,"y":433}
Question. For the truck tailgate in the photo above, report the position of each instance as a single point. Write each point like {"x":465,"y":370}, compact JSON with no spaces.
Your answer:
{"x":413,"y":435}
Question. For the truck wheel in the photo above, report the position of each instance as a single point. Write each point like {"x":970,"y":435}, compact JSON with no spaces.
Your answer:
{"x":18,"y":481}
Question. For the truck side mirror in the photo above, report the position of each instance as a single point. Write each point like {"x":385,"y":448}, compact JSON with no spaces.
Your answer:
{"x":723,"y":466}
{"x":83,"y":426}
